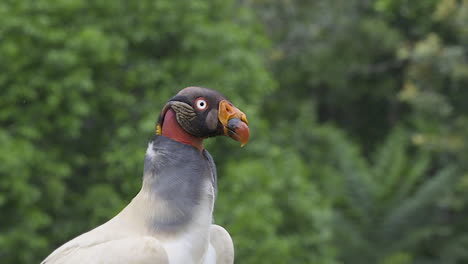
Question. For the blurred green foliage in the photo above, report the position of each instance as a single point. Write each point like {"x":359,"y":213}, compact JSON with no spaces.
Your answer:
{"x":357,"y":108}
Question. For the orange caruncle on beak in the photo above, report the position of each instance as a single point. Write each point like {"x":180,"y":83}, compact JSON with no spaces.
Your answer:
{"x":234,"y":122}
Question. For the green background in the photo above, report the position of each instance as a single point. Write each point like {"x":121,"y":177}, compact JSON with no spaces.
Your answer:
{"x":358,"y":115}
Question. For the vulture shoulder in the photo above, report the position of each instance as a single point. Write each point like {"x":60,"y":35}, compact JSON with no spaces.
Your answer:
{"x":135,"y":250}
{"x":120,"y":240}
{"x":221,"y":248}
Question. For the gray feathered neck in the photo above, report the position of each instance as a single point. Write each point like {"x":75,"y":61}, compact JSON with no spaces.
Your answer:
{"x":176,"y":174}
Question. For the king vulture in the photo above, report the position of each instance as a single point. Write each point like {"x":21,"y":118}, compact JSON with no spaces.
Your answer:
{"x":170,"y":221}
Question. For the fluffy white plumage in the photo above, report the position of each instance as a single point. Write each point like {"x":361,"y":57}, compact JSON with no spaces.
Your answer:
{"x":130,"y":238}
{"x":125,"y":239}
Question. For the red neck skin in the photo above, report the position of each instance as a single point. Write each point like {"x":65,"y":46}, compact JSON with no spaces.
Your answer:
{"x":172,"y":130}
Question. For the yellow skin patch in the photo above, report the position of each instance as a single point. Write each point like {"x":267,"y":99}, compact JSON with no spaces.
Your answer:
{"x":158,"y":129}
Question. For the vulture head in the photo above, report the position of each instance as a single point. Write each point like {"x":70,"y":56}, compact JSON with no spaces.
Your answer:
{"x":197,"y":113}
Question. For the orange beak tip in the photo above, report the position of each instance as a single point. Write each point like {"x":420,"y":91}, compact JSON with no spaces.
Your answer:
{"x":238,"y":130}
{"x":234,"y":121}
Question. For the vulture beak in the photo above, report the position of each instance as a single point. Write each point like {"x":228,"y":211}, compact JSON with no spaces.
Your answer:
{"x":235,"y":124}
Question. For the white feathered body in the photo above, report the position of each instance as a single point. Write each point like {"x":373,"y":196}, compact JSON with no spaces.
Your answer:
{"x":132,"y":237}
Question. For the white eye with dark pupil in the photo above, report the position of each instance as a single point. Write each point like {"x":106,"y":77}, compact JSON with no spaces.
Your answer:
{"x":201,"y":104}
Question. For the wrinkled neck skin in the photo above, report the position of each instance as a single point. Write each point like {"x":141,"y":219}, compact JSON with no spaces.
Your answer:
{"x":172,"y":130}
{"x":179,"y":182}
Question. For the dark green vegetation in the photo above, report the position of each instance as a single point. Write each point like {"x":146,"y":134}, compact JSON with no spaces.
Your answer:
{"x":358,"y":113}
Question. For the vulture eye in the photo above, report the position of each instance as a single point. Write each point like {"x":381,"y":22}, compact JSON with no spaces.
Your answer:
{"x":201,"y":104}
